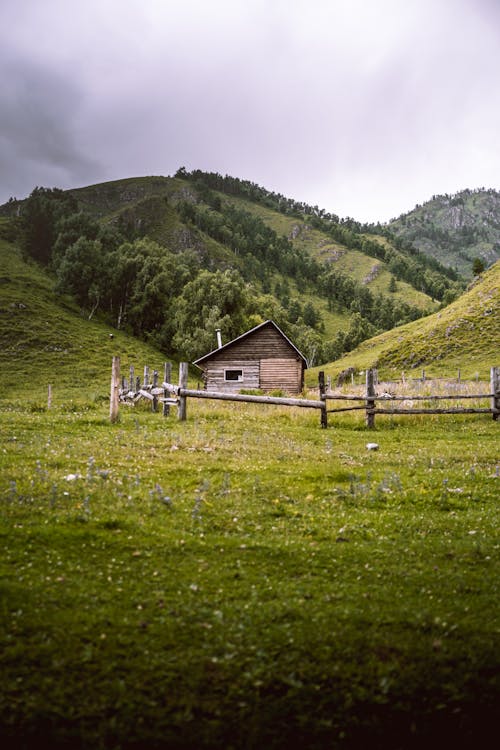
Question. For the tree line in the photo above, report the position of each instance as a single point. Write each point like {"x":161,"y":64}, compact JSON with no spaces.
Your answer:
{"x":172,"y":299}
{"x":404,"y":260}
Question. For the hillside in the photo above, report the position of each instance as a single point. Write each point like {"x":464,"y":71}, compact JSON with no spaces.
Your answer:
{"x":463,"y":336}
{"x":150,"y":203}
{"x":129,"y":250}
{"x":46,"y":338}
{"x":455,"y":229}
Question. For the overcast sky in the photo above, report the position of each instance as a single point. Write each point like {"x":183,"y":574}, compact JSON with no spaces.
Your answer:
{"x":363,"y":107}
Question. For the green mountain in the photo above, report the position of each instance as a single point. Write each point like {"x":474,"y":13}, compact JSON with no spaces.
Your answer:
{"x":170,"y":259}
{"x":455,"y":229}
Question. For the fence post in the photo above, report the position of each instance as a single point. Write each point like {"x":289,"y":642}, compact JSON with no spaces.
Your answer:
{"x":145,"y":381}
{"x":167,"y":379}
{"x":370,"y":403}
{"x":322,"y":390}
{"x":183,"y":379}
{"x":114,"y":414}
{"x":495,"y":391}
{"x":154,"y":404}
{"x":131,"y":382}
{"x":49,"y":397}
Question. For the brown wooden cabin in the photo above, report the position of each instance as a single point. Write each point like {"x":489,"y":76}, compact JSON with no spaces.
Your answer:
{"x":262,"y":358}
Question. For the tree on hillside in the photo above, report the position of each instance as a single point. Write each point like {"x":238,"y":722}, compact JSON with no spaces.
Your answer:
{"x":310,"y":315}
{"x":69,"y":230}
{"x":307,"y":341}
{"x":82,"y":273}
{"x":41,"y":212}
{"x":210,"y":301}
{"x":144,"y":279}
{"x":359,"y":330}
{"x":158,"y":281}
{"x":478,"y":266}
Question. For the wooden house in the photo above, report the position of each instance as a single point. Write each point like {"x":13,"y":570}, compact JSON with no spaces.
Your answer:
{"x":262,"y":358}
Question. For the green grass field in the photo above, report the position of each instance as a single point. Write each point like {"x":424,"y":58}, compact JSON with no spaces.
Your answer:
{"x":246,"y":579}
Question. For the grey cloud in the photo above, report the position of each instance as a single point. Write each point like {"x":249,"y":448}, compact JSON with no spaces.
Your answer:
{"x":38,"y":128}
{"x":364,"y":108}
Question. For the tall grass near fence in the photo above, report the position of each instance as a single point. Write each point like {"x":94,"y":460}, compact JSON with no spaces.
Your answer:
{"x":246,"y":579}
{"x":426,"y":397}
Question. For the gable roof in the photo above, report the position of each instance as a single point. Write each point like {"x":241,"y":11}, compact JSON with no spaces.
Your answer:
{"x":244,"y":336}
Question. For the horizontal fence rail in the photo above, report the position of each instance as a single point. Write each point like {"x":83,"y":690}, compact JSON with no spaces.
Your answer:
{"x":247,"y":398}
{"x":371,"y":397}
{"x":132,"y":390}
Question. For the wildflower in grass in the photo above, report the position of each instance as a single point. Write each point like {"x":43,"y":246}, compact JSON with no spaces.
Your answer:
{"x":198,"y":501}
{"x":226,"y":485}
{"x":53,"y":496}
{"x":41,"y":473}
{"x":90,"y":468}
{"x":157,"y":493}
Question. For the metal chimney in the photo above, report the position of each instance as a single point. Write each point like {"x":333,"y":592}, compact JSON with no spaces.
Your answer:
{"x":219,"y":338}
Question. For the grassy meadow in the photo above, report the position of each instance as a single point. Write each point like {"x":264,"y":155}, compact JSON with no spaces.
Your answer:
{"x":243,"y":579}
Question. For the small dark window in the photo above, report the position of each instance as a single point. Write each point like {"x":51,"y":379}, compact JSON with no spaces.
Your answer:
{"x":233,"y":374}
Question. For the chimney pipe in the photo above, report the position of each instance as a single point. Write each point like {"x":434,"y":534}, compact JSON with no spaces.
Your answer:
{"x":219,"y":337}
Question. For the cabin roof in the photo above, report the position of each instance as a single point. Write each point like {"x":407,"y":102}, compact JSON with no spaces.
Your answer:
{"x":244,"y":336}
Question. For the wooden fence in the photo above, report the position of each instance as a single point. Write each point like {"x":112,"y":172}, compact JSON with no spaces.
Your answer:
{"x":370,"y":398}
{"x":130,"y":391}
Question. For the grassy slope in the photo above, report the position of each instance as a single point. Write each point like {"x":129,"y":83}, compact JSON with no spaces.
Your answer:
{"x":44,"y":338}
{"x":109,"y":198}
{"x":462,"y":336}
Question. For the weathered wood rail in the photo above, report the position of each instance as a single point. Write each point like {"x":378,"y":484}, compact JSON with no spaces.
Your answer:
{"x":370,"y":398}
{"x":130,"y":391}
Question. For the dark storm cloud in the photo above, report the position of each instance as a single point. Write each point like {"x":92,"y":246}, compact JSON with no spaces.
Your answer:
{"x":363,"y":107}
{"x":38,"y":129}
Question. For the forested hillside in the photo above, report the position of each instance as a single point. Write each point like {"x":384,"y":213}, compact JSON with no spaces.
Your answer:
{"x":461,"y":231}
{"x":172,"y":259}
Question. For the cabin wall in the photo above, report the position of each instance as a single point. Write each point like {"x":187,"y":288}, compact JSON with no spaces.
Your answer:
{"x":215,"y":375}
{"x":265,"y":374}
{"x":266,"y":359}
{"x":284,"y":374}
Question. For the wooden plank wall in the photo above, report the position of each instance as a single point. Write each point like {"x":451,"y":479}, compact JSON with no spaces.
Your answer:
{"x":215,"y":375}
{"x":284,"y":374}
{"x":263,"y":344}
